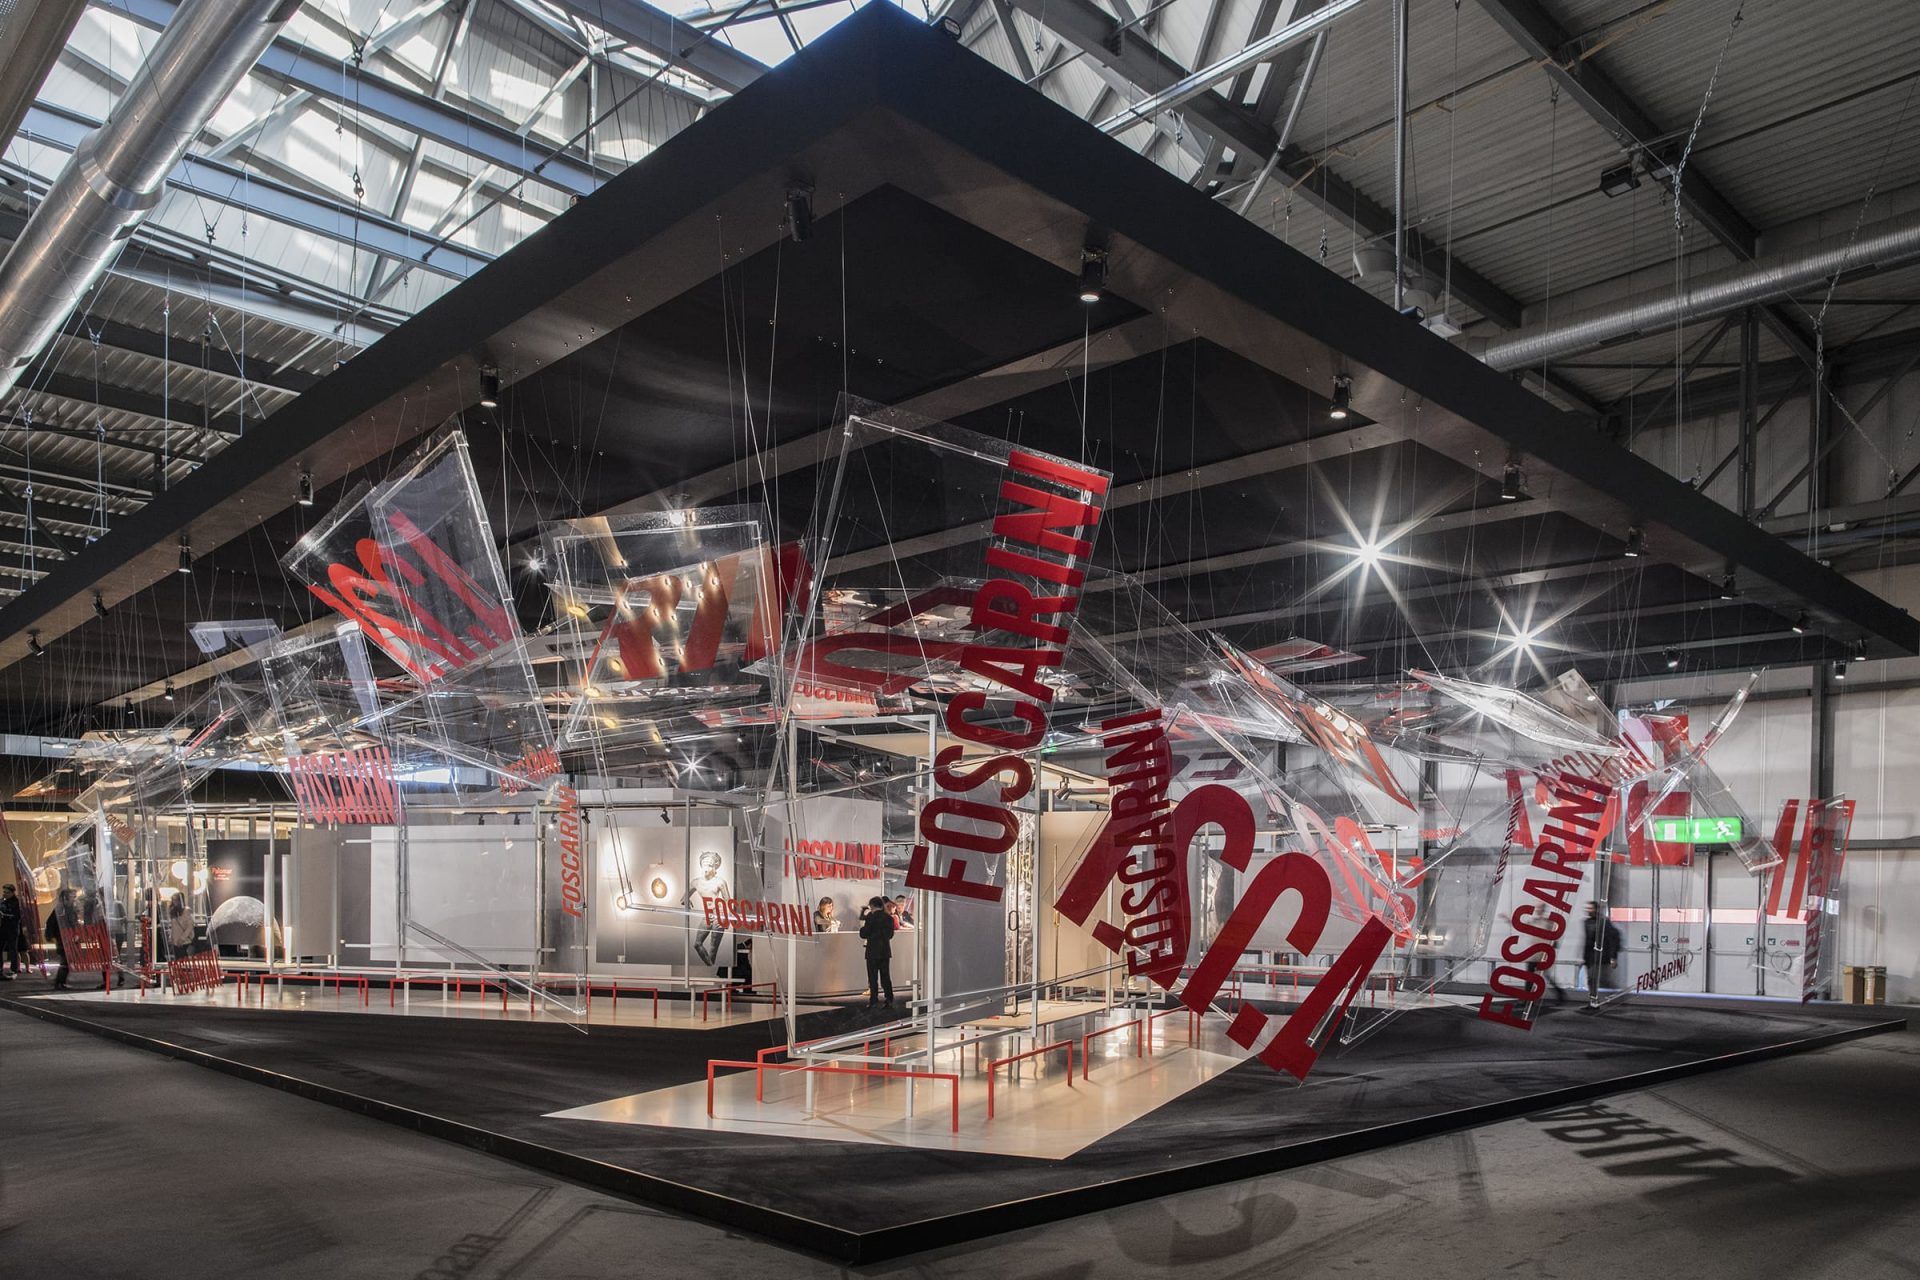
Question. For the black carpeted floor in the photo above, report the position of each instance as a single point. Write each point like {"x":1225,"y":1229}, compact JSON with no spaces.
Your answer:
{"x":489,"y":1084}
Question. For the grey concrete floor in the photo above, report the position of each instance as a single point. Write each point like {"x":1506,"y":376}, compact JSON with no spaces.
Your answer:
{"x":115,"y":1162}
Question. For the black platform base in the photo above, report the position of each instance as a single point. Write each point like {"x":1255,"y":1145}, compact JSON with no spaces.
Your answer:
{"x":489,"y":1085}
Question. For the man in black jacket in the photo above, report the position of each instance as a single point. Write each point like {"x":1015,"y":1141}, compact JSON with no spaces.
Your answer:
{"x":60,"y":917}
{"x":13,"y":932}
{"x":876,"y":930}
{"x":1602,"y":950}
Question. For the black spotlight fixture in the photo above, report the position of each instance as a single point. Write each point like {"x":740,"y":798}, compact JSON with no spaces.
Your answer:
{"x":1093,"y":275}
{"x":1839,"y":669}
{"x":800,"y":213}
{"x":489,"y":387}
{"x":168,"y":692}
{"x":1342,"y":398}
{"x":1728,"y":589}
{"x":1673,"y":659}
{"x":33,"y":644}
{"x":1618,"y":181}
{"x":1859,"y":650}
{"x":186,"y":556}
{"x":950,"y":25}
{"x":1510,"y":481}
{"x":1799,"y":623}
{"x":1636,"y":544}
{"x":99,"y":606}
{"x":303,"y":492}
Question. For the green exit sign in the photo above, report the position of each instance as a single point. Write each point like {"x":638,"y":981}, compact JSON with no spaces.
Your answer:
{"x":1696,"y":830}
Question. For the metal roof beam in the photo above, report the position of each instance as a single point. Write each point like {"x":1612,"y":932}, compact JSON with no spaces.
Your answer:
{"x":234,"y":188}
{"x":1127,"y":50}
{"x":290,"y":63}
{"x":185,"y":351}
{"x":1540,"y":36}
{"x":663,"y":36}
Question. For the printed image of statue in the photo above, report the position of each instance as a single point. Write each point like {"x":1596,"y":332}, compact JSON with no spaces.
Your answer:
{"x":710,"y":882}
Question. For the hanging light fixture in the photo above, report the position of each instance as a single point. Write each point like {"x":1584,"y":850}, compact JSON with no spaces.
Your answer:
{"x":1859,"y":650}
{"x":99,"y":606}
{"x":1799,"y":623}
{"x":489,"y":387}
{"x":1342,"y":398}
{"x":1673,"y":659}
{"x":168,"y":693}
{"x":1093,"y":275}
{"x":1636,"y":544}
{"x":186,"y":556}
{"x":1839,"y":669}
{"x":1728,"y":589}
{"x":1510,"y":481}
{"x":800,"y":213}
{"x":33,"y":644}
{"x":303,"y":494}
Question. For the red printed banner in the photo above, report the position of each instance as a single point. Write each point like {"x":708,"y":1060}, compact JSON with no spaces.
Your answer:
{"x":348,"y":786}
{"x":1041,"y":544}
{"x":1575,"y":825}
{"x":197,"y":972}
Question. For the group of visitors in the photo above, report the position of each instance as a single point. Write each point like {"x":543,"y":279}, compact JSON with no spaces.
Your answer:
{"x":880,"y":919}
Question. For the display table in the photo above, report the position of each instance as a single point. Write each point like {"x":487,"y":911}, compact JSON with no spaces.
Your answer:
{"x":833,"y":964}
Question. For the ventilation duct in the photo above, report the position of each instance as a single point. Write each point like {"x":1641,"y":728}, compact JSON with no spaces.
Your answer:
{"x":118,"y":173}
{"x":1765,"y":279}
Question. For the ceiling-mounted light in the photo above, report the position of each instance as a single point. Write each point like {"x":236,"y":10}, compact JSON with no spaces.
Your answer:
{"x":489,"y":387}
{"x":800,"y":213}
{"x":186,"y":556}
{"x":1636,"y":544}
{"x":167,"y":693}
{"x":127,"y":707}
{"x":99,"y":606}
{"x":1673,"y":659}
{"x":1510,"y":481}
{"x":303,"y":492}
{"x":1728,"y":589}
{"x":1799,"y":623}
{"x":33,"y":643}
{"x":1342,"y":398}
{"x":1618,"y":181}
{"x":665,"y":817}
{"x":1839,"y":669}
{"x":1859,"y":650}
{"x":1093,"y":275}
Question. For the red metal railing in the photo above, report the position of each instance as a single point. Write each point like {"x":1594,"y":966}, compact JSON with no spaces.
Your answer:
{"x":250,"y":979}
{"x":1045,"y":1048}
{"x":615,"y":988}
{"x":866,"y":1046}
{"x":459,"y":982}
{"x":1139,"y":1042}
{"x":952,"y":1078}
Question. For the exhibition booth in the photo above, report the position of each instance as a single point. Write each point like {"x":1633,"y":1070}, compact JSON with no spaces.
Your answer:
{"x":592,"y":839}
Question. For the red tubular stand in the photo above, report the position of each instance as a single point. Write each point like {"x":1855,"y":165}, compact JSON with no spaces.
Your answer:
{"x":1086,"y":1059}
{"x":952,"y":1078}
{"x":1045,"y":1048}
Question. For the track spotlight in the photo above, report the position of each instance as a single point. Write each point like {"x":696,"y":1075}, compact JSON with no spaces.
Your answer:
{"x":950,"y":25}
{"x":1093,"y":275}
{"x":1673,"y":659}
{"x":1342,"y":398}
{"x":1728,"y":590}
{"x":99,"y":606}
{"x":1636,"y":544}
{"x":1510,"y":481}
{"x":186,"y":556}
{"x":1618,"y":181}
{"x":127,"y":707}
{"x":168,"y":692}
{"x":489,"y":387}
{"x":1859,"y":650}
{"x":1839,"y":669}
{"x":1799,"y":623}
{"x":800,"y":213}
{"x":33,"y":644}
{"x":303,"y":493}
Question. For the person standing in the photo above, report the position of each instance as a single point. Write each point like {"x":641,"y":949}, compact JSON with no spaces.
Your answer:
{"x":1601,"y":951}
{"x":179,"y":932}
{"x":13,"y":932}
{"x":876,"y":930}
{"x":57,"y":919}
{"x":824,"y":920}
